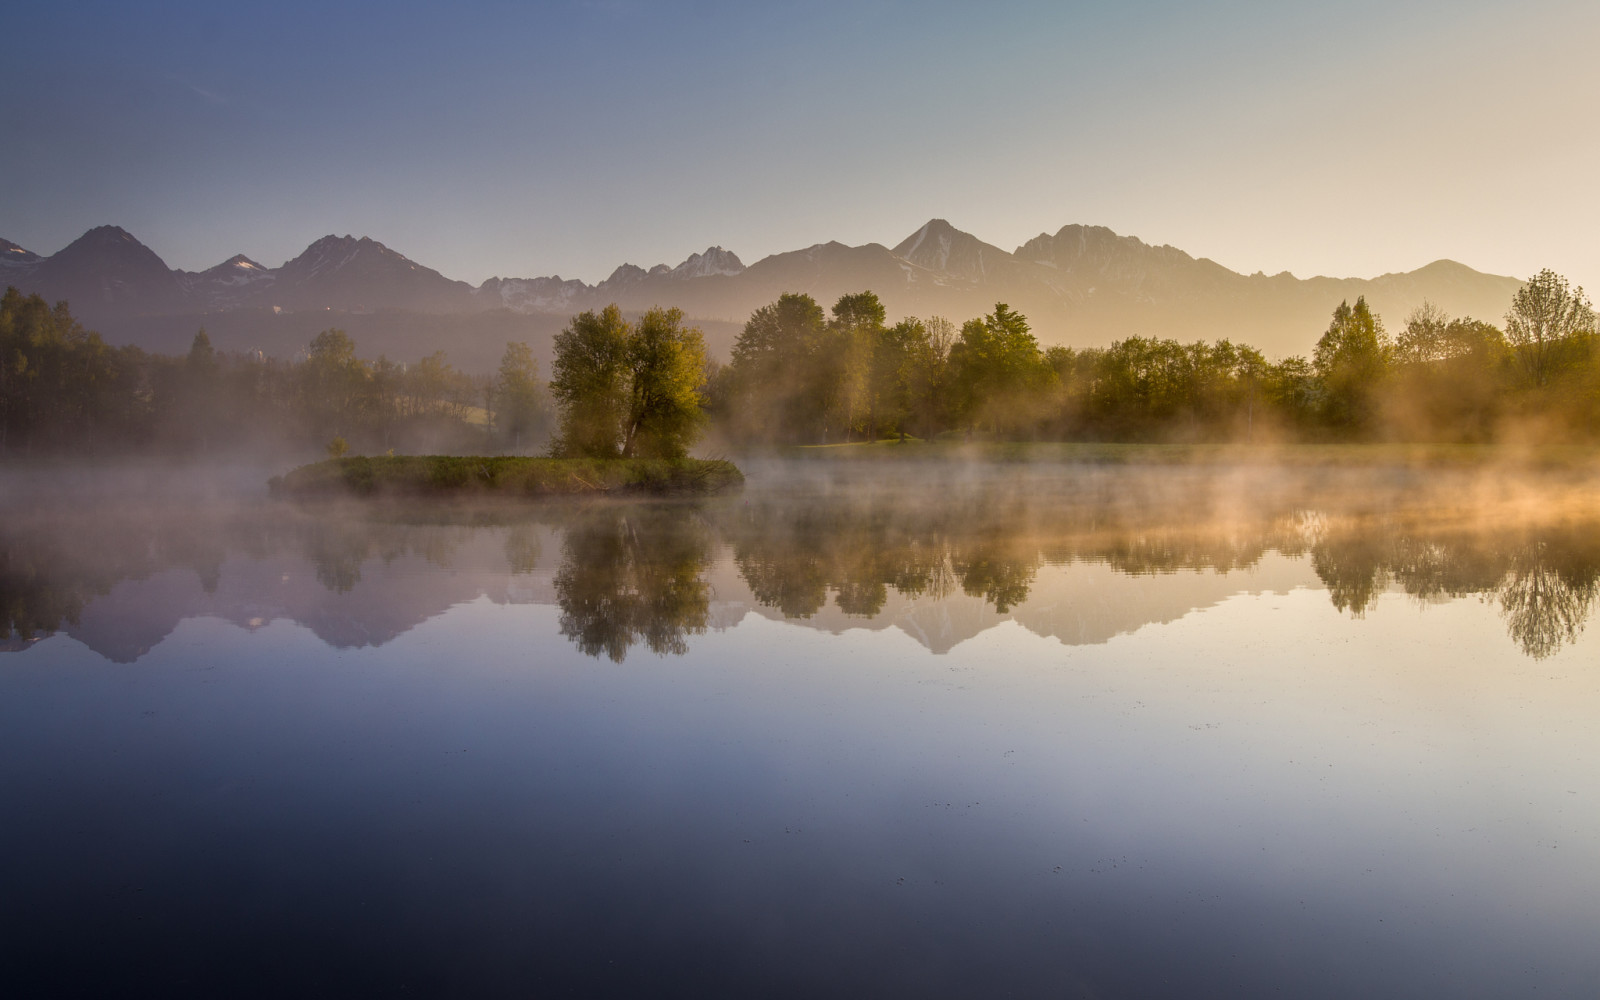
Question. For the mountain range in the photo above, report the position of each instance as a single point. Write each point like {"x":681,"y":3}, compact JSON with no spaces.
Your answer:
{"x":1081,"y":286}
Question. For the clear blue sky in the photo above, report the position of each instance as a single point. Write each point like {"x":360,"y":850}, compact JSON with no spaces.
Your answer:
{"x":567,"y":137}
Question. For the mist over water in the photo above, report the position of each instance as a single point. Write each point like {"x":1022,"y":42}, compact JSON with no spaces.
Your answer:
{"x":837,"y":544}
{"x":939,"y":728}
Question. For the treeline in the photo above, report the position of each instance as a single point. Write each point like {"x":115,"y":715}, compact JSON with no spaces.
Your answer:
{"x":801,"y":377}
{"x":63,"y":390}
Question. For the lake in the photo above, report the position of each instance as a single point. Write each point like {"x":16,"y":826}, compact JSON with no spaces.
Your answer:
{"x":866,"y":728}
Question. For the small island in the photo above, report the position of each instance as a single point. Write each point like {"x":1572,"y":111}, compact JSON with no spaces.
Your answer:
{"x":507,"y":476}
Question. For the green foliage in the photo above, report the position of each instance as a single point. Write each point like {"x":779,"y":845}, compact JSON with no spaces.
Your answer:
{"x":590,"y":383}
{"x":780,"y":383}
{"x":1547,"y":324}
{"x":797,"y":376}
{"x":1142,"y":388}
{"x":626,"y":389}
{"x":61,"y":385}
{"x":1352,"y":360}
{"x":338,"y":448}
{"x":521,"y":412}
{"x":63,"y":390}
{"x":997,"y":373}
{"x":666,"y":370}
{"x":855,"y":338}
{"x":506,"y":475}
{"x":1450,"y":378}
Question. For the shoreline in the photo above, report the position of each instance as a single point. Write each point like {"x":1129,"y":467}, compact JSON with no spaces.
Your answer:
{"x":505,"y":476}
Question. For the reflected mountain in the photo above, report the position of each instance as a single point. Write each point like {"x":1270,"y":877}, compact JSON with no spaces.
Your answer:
{"x":1082,"y":555}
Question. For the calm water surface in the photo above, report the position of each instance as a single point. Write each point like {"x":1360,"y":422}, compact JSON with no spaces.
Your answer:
{"x":908,"y":730}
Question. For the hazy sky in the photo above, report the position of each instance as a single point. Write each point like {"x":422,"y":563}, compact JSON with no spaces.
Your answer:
{"x":525,"y":139}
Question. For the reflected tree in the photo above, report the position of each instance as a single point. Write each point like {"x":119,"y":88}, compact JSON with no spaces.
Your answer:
{"x":1353,"y":567}
{"x":634,"y":575}
{"x":997,"y":576}
{"x":1546,"y":605}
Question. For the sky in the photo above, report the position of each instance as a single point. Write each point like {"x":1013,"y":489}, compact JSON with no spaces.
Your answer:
{"x":524,"y":139}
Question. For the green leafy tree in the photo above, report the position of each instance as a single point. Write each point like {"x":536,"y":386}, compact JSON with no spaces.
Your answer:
{"x":520,"y":411}
{"x":1546,"y":316}
{"x":902,"y":373}
{"x":780,"y":384}
{"x":1449,"y":378}
{"x":61,"y":386}
{"x":333,"y":383}
{"x":998,"y":373}
{"x":856,"y":333}
{"x":634,"y":390}
{"x":926,"y":374}
{"x":666,"y":374}
{"x":591,"y":383}
{"x":1352,"y":360}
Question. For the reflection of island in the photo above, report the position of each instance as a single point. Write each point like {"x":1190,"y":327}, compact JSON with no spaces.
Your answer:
{"x":1080,"y":566}
{"x":634,"y":574}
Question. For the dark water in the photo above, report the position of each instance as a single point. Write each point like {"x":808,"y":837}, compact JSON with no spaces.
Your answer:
{"x":901,"y":730}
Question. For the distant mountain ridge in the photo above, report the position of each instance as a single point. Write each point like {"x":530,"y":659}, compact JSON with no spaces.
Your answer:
{"x":1081,"y":286}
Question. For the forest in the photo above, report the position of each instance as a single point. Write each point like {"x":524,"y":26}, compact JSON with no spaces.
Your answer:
{"x":802,"y":376}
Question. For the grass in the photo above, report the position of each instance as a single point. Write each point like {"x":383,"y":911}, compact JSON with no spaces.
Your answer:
{"x":508,"y":476}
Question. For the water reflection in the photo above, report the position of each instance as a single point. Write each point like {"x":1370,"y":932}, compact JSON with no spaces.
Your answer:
{"x":658,"y":573}
{"x":634,"y":574}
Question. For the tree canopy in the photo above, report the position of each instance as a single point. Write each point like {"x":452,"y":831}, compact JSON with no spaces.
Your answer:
{"x":628,"y":389}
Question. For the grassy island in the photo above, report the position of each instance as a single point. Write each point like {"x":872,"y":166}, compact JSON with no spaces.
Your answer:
{"x":506,"y":476}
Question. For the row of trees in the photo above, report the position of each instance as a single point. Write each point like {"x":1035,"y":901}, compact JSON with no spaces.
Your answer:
{"x":63,"y":389}
{"x":645,"y":387}
{"x":798,"y":376}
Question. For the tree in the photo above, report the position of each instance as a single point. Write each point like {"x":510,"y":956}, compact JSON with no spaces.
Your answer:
{"x":666,"y":372}
{"x":1449,"y":377}
{"x":997,"y":370}
{"x":780,"y":383}
{"x":1352,"y":359}
{"x":333,"y":382}
{"x":626,"y":389}
{"x":856,"y":332}
{"x":590,"y":384}
{"x":1425,"y":338}
{"x":1546,"y":315}
{"x":519,"y":403}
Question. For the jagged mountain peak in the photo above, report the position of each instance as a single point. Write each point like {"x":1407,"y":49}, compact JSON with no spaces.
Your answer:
{"x":224,"y":284}
{"x":933,"y":229}
{"x":237,"y":263}
{"x":715,"y":261}
{"x":1075,"y":247}
{"x":15,"y":254}
{"x":108,"y":234}
{"x":109,"y":239}
{"x":625,"y":274}
{"x":107,"y":265}
{"x":332,"y":253}
{"x":944,"y":249}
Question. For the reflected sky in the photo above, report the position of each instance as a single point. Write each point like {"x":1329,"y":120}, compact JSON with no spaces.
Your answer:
{"x":1070,"y":739}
